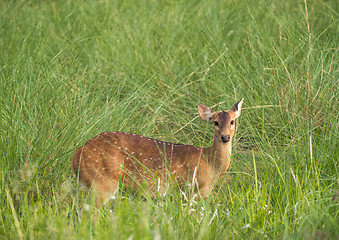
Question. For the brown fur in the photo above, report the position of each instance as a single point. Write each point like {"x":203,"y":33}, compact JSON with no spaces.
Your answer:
{"x":113,"y":157}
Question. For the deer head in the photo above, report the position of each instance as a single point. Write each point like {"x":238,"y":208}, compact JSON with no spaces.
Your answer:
{"x":224,"y":121}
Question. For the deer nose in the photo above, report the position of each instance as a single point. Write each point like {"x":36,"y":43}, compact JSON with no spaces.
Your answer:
{"x":225,"y":138}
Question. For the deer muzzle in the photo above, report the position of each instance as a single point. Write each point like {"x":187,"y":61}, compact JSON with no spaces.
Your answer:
{"x":225,"y":138}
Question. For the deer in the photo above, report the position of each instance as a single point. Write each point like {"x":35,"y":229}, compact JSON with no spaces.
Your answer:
{"x":112,"y":159}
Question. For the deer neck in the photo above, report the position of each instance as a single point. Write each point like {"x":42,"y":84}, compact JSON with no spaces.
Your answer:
{"x":219,"y":155}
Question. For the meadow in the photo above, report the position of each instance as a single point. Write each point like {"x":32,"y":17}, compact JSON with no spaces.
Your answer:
{"x":71,"y":69}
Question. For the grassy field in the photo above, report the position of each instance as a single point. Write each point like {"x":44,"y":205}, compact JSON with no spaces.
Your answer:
{"x":71,"y":69}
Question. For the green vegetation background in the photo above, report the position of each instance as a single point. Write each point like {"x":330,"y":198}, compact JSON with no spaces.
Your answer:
{"x":71,"y":69}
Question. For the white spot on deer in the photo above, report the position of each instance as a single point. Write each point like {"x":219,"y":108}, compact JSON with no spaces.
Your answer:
{"x":174,"y":171}
{"x":132,"y":153}
{"x":140,"y":154}
{"x":126,"y":149}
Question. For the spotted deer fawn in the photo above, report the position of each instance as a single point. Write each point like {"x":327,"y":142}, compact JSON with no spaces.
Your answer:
{"x":113,"y":158}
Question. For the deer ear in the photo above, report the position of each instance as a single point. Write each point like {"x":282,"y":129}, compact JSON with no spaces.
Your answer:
{"x":205,"y":112}
{"x":237,"y":108}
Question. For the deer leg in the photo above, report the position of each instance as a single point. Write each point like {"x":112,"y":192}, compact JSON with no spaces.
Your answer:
{"x":206,"y":191}
{"x":103,"y":191}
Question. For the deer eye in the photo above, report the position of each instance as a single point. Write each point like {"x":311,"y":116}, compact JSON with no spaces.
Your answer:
{"x":232,"y":122}
{"x":216,"y":124}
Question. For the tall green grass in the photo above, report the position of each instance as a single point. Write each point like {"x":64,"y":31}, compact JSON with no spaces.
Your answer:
{"x":72,"y":69}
